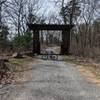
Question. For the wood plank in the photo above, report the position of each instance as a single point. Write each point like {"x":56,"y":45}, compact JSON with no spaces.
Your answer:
{"x":49,"y":27}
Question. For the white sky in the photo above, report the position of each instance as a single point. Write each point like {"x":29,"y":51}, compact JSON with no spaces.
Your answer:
{"x":48,"y":7}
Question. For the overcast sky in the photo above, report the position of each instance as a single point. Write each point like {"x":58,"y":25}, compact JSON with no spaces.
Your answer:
{"x":48,"y":7}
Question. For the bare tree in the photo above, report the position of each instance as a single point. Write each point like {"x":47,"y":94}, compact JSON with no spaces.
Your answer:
{"x":16,"y":12}
{"x":84,"y":34}
{"x":1,"y":4}
{"x":21,"y":12}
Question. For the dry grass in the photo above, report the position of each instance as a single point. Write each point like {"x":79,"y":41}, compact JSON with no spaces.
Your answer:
{"x":20,"y":64}
{"x":87,"y":67}
{"x":18,"y":67}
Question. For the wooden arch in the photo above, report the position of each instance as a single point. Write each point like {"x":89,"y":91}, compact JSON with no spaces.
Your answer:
{"x":65,"y":36}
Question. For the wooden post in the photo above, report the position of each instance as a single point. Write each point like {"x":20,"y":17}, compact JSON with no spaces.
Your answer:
{"x":65,"y":46}
{"x":36,"y":42}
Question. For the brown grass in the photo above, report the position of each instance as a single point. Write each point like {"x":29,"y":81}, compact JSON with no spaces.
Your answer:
{"x":20,"y":64}
{"x":87,"y":67}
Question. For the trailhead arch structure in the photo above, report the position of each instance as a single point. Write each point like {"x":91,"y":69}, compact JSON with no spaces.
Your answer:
{"x":65,"y":29}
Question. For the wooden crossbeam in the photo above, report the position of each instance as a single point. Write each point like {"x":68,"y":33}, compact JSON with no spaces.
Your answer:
{"x":49,"y":27}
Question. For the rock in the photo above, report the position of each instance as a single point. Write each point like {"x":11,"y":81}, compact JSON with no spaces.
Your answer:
{"x":4,"y":60}
{"x":14,"y":55}
{"x":1,"y":86}
{"x":17,"y":55}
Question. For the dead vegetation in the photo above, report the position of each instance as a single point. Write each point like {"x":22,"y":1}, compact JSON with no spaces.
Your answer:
{"x":20,"y":64}
{"x":87,"y":63}
{"x":11,"y":70}
{"x":6,"y":73}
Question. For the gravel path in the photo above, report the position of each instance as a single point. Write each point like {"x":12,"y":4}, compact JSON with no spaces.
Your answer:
{"x":52,"y":80}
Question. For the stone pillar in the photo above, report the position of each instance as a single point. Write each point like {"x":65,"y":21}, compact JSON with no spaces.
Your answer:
{"x":65,"y":46}
{"x":36,"y":42}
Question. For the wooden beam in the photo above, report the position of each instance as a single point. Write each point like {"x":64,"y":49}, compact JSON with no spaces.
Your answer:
{"x":36,"y":42}
{"x":49,"y":27}
{"x":65,"y":46}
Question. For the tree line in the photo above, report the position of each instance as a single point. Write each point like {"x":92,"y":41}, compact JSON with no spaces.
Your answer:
{"x":14,"y":16}
{"x":83,"y":14}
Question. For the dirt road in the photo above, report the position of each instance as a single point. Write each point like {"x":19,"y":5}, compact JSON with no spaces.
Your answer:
{"x":52,"y":80}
